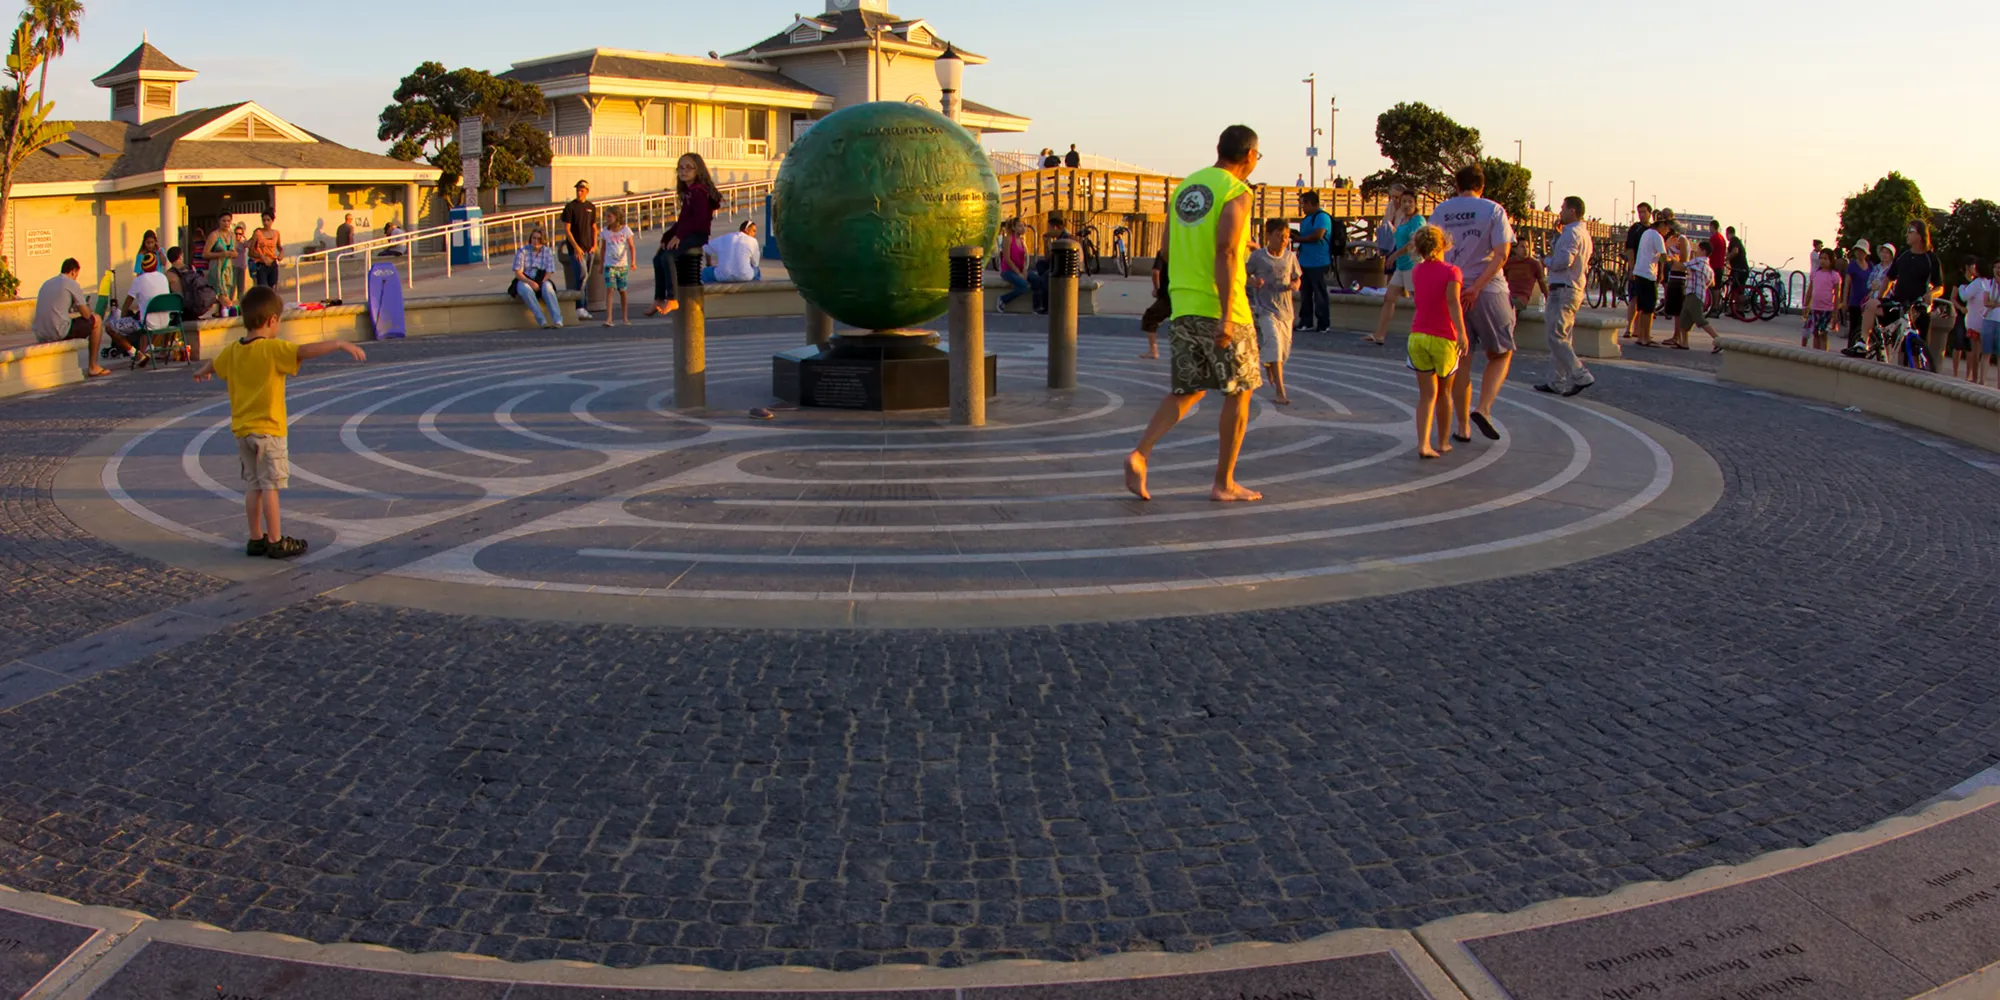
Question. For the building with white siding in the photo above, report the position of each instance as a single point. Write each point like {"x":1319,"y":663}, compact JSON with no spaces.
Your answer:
{"x":621,"y":119}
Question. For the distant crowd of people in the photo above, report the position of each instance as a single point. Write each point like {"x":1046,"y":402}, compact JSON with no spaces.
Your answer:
{"x":208,"y":281}
{"x":1071,"y":159}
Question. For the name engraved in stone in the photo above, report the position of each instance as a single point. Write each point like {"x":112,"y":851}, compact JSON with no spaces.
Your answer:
{"x":1691,"y":960}
{"x":1940,"y":881}
{"x":1973,"y":899}
{"x":1280,"y":995}
{"x":12,"y":944}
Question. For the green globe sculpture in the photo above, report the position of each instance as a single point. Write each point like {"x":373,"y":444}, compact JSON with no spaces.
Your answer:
{"x":870,"y":202}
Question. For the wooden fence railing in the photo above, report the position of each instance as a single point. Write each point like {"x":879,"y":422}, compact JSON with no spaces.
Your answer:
{"x":1106,"y":199}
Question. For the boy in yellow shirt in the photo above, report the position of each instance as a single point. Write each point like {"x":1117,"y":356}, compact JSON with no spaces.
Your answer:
{"x":255,"y":369}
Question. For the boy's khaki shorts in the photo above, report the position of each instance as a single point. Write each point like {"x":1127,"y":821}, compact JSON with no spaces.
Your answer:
{"x":266,"y":461}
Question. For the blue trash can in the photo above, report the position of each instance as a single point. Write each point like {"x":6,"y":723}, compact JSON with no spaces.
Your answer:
{"x":468,"y":245}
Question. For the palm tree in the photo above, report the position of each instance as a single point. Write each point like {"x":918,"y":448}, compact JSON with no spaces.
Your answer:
{"x":54,"y":22}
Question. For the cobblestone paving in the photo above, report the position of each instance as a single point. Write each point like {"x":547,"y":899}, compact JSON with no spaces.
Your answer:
{"x":1814,"y":655}
{"x":59,"y":582}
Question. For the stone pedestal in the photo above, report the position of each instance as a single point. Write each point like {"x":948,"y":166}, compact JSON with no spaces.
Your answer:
{"x":891,"y":370}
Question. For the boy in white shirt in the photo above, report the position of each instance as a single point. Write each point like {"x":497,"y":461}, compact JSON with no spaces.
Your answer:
{"x":1274,"y":275}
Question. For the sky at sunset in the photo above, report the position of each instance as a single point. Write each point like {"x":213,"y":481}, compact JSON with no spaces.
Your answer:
{"x":1728,"y":109}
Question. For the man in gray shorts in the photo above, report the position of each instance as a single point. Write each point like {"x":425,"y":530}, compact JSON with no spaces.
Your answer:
{"x":1481,"y":239}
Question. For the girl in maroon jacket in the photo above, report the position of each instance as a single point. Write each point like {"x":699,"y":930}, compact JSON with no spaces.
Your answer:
{"x":700,"y":199}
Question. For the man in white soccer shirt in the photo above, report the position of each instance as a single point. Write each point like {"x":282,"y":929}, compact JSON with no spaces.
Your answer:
{"x":1481,"y":239}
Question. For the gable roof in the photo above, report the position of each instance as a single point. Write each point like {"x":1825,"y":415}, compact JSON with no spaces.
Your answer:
{"x":646,"y":66}
{"x":851,"y":27}
{"x":135,"y":152}
{"x":144,"y":59}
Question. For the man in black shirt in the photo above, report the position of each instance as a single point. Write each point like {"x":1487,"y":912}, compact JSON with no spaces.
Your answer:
{"x":1072,"y":159}
{"x":579,"y":219}
{"x":1914,"y":280}
{"x":1038,"y":275}
{"x":1632,"y":238}
{"x":1739,"y":261}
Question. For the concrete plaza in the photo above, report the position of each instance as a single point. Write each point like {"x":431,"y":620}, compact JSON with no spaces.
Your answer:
{"x":576,"y":675}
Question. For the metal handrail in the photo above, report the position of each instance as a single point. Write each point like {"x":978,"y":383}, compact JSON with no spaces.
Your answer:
{"x":643,"y":211}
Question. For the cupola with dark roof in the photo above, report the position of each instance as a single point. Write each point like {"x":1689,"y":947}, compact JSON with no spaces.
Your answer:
{"x":144,"y":85}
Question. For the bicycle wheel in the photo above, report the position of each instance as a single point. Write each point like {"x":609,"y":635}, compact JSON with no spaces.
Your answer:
{"x":1767,"y":303}
{"x":1743,"y":304}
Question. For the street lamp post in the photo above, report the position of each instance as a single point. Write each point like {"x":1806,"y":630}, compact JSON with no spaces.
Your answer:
{"x":1312,"y":128}
{"x":1635,"y":198}
{"x":1517,"y":152}
{"x":1332,"y":137}
{"x":951,"y":77}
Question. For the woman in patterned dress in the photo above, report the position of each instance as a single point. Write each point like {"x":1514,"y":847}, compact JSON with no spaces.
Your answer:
{"x":223,"y":274}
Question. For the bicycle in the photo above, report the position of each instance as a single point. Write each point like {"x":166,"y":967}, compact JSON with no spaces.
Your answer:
{"x":1897,"y":340}
{"x":1087,"y":237}
{"x":1121,"y":250}
{"x":1761,"y":295}
{"x":1605,"y":285}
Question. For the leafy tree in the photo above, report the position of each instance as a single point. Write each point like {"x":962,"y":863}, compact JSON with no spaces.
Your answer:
{"x":1510,"y":185}
{"x":430,"y":103}
{"x":1424,"y":146}
{"x":1880,"y":213}
{"x":1972,"y":229}
{"x":24,"y":115}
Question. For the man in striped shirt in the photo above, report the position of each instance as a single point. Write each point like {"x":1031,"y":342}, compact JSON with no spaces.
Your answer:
{"x":534,"y":272}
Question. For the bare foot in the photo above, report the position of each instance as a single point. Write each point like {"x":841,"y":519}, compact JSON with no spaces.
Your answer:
{"x":98,"y":371}
{"x":1155,"y":356}
{"x":1444,"y":446}
{"x":1234,"y":492}
{"x":1283,"y":400}
{"x":1135,"y":475}
{"x":1427,"y":453}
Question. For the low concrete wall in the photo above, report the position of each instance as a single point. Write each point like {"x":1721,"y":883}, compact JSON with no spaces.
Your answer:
{"x":17,"y":315}
{"x":1593,"y":337}
{"x":44,"y":366}
{"x":1086,"y":296}
{"x":1947,"y":406}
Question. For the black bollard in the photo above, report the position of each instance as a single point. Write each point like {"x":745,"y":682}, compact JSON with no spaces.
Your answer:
{"x":968,"y":337}
{"x":819,"y":326}
{"x":690,"y":336}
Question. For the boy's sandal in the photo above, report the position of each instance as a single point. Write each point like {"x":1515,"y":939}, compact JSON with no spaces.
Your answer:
{"x":285,"y":548}
{"x":1717,"y":349}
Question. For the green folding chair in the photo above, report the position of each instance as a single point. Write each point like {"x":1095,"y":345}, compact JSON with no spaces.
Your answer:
{"x":161,"y":342}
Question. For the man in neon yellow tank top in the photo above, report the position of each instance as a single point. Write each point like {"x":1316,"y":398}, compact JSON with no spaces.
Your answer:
{"x":1212,"y":341}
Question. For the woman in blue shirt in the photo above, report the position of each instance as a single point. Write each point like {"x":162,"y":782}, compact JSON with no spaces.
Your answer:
{"x":1401,"y":262}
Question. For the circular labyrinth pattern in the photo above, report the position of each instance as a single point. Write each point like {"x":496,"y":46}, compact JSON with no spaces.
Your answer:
{"x":614,"y":492}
